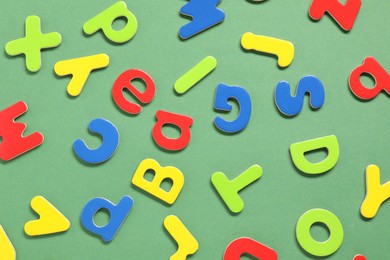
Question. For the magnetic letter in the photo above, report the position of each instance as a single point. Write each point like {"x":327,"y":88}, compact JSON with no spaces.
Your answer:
{"x":284,"y":50}
{"x":161,"y":173}
{"x":298,"y":150}
{"x":376,"y":193}
{"x":292,"y":105}
{"x":117,"y":213}
{"x":32,"y":44}
{"x":124,"y":82}
{"x":371,"y":67}
{"x":181,"y":121}
{"x":110,"y":136}
{"x":204,"y":13}
{"x":222,"y":96}
{"x":245,"y":245}
{"x":13,"y":142}
{"x":194,"y":75}
{"x":50,"y":219}
{"x":7,"y":251}
{"x":80,"y":68}
{"x":344,"y":14}
{"x":187,"y":244}
{"x":228,"y":190}
{"x":306,"y":241}
{"x":105,"y":19}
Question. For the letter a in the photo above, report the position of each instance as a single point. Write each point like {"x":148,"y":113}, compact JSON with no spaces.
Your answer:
{"x":370,"y":67}
{"x":181,"y":121}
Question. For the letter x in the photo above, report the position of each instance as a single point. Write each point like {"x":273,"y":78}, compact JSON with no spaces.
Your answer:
{"x":32,"y":44}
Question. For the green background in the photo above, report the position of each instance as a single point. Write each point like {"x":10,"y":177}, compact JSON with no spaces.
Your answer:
{"x":273,"y":204}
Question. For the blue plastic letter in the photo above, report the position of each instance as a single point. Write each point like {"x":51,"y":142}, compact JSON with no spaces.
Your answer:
{"x":118,"y":215}
{"x":205,"y":14}
{"x":223,"y":94}
{"x":110,"y":142}
{"x":292,"y":105}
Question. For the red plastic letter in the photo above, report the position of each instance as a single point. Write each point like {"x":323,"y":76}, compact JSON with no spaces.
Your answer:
{"x":372,"y":67}
{"x":181,"y":121}
{"x":245,"y":245}
{"x":124,"y":82}
{"x":345,"y":15}
{"x":13,"y":143}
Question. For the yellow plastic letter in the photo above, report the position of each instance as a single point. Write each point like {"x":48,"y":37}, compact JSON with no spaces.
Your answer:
{"x":187,"y":244}
{"x":80,"y":68}
{"x":376,"y":193}
{"x":161,"y":173}
{"x":50,"y":219}
{"x":284,"y":50}
{"x":7,"y":250}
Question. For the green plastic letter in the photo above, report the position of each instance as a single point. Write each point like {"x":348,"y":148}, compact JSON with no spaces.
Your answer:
{"x":312,"y":246}
{"x":298,"y":150}
{"x":105,"y":19}
{"x":228,"y":190}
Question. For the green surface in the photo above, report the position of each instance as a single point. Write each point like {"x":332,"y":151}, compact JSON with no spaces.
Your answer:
{"x":273,"y":204}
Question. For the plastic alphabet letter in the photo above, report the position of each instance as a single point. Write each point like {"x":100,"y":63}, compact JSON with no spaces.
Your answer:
{"x":161,"y":173}
{"x":124,"y":82}
{"x":80,"y":68}
{"x":376,"y":193}
{"x":284,"y":50}
{"x":371,"y":67}
{"x":194,"y":75}
{"x":228,"y":190}
{"x":306,"y":241}
{"x":245,"y":245}
{"x":292,"y":105}
{"x":118,"y":214}
{"x":7,"y":251}
{"x":187,"y":244}
{"x":105,"y":19}
{"x":181,"y":121}
{"x":205,"y":14}
{"x":50,"y":219}
{"x":32,"y":44}
{"x":298,"y":150}
{"x":13,"y":142}
{"x":222,"y":96}
{"x":344,"y":14}
{"x":110,"y":136}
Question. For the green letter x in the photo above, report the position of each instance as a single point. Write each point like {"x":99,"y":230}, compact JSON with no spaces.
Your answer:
{"x":32,"y":44}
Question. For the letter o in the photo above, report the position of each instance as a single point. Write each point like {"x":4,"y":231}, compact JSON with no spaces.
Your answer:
{"x":312,"y":246}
